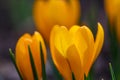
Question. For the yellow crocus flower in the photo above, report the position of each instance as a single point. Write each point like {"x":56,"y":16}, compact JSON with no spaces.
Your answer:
{"x":74,"y":51}
{"x":22,"y":55}
{"x":112,"y":8}
{"x":47,"y":13}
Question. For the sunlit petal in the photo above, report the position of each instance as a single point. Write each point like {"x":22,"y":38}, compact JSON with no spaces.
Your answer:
{"x":61,"y":39}
{"x":58,"y":54}
{"x":99,"y":41}
{"x":88,"y":54}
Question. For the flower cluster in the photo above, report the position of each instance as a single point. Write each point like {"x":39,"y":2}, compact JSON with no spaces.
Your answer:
{"x":73,"y":48}
{"x":73,"y":51}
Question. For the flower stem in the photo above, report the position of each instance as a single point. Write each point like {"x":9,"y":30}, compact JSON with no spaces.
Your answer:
{"x":43,"y":63}
{"x":112,"y":72}
{"x":32,"y":64}
{"x":12,"y":56}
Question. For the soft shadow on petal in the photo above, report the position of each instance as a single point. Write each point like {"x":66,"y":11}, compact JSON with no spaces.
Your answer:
{"x":58,"y":56}
{"x":74,"y":61}
{"x":88,"y":54}
{"x":80,"y":43}
{"x":62,"y":64}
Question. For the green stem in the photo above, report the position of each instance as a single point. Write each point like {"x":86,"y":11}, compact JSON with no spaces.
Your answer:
{"x":73,"y":77}
{"x":12,"y":56}
{"x":43,"y":63}
{"x":32,"y":64}
{"x":112,"y":72}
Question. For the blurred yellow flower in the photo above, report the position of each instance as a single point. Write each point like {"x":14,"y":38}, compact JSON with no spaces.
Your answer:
{"x":47,"y":13}
{"x":74,"y":50}
{"x":112,"y":8}
{"x":22,"y":55}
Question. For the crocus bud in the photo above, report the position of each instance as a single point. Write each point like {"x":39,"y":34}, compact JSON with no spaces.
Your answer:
{"x":23,"y":58}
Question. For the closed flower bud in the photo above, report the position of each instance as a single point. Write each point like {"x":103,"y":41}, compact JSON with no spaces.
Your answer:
{"x":23,"y":58}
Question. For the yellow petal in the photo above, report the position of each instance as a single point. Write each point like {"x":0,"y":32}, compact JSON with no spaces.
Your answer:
{"x":36,"y":40}
{"x":84,"y":41}
{"x":61,"y":64}
{"x":35,"y":47}
{"x":74,"y":61}
{"x":22,"y":57}
{"x":61,"y":39}
{"x":98,"y":42}
{"x":88,"y":54}
{"x":74,"y":29}
{"x":57,"y":55}
{"x":80,"y":43}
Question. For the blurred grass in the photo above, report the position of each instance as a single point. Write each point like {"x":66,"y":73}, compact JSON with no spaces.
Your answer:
{"x":20,"y":10}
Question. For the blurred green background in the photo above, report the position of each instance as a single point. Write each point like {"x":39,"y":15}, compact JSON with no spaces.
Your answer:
{"x":16,"y":19}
